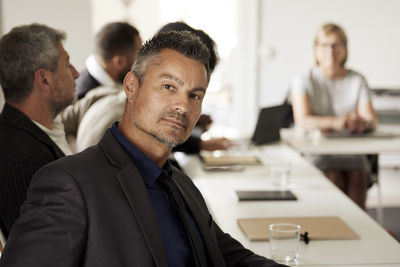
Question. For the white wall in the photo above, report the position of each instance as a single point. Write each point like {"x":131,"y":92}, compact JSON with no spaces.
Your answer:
{"x":288,"y":28}
{"x":143,"y":14}
{"x":81,"y":19}
{"x":72,"y":16}
{"x":245,"y":77}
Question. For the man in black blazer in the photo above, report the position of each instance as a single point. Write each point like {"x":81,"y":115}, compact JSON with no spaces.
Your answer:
{"x":38,"y":82}
{"x":109,"y":205}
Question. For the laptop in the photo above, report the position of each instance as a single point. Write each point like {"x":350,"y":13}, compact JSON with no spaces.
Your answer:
{"x":270,"y":121}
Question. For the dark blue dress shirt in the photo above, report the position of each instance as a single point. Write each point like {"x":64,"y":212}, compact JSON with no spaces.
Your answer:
{"x":177,"y":248}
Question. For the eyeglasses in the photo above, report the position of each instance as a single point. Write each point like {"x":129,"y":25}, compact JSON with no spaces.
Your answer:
{"x":334,"y":46}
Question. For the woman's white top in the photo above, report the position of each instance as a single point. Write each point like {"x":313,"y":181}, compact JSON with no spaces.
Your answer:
{"x":334,"y":97}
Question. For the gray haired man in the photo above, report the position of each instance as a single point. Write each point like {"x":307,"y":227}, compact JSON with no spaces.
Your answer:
{"x":38,"y":82}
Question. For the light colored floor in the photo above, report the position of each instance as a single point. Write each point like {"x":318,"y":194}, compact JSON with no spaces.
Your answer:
{"x":390,"y":187}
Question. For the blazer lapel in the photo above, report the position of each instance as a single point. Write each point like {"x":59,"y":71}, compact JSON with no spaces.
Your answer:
{"x":202,"y":221}
{"x":135,"y":191}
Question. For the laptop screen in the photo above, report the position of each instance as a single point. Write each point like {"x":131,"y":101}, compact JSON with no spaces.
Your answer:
{"x":270,"y":121}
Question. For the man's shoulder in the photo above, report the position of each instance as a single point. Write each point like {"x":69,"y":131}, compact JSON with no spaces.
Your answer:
{"x":90,"y":170}
{"x":13,"y":121}
{"x":21,"y":143}
{"x":93,"y":160}
{"x":8,"y":130}
{"x":91,"y":157}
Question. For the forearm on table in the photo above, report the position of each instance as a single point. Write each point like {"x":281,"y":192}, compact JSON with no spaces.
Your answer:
{"x":323,"y":123}
{"x":367,"y":112}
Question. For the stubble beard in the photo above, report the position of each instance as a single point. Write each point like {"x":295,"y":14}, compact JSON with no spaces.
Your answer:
{"x":159,"y":134}
{"x":58,"y":103}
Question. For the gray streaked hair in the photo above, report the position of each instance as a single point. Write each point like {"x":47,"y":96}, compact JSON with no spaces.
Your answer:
{"x":23,"y":51}
{"x":183,"y":42}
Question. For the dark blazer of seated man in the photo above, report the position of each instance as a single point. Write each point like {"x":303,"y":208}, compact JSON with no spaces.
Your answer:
{"x":109,"y":205}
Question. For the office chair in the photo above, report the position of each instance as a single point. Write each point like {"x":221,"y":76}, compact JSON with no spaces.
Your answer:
{"x":373,"y":163}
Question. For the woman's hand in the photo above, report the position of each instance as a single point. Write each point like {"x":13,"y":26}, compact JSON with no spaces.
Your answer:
{"x":356,"y":124}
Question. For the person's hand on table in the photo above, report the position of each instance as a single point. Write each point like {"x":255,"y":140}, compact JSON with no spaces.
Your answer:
{"x":356,"y":124}
{"x":215,"y":144}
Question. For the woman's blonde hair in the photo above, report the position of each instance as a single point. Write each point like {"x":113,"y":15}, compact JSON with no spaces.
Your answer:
{"x":329,"y":28}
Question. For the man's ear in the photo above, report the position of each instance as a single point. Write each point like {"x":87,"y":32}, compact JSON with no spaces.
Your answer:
{"x":119,"y":61}
{"x":42,"y":80}
{"x":131,"y":85}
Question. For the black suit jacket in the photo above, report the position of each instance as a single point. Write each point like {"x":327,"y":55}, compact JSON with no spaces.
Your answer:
{"x":92,"y":209}
{"x":85,"y":83}
{"x":24,"y":148}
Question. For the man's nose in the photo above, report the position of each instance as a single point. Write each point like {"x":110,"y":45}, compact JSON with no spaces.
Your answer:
{"x":75,"y":73}
{"x":181,"y":104}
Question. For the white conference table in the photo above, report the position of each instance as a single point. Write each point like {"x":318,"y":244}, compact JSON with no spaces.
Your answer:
{"x":309,"y":143}
{"x":315,"y":143}
{"x":317,"y":196}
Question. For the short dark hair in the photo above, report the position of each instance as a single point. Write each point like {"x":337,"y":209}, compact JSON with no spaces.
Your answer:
{"x":183,"y":42}
{"x":115,"y":38}
{"x":23,"y":51}
{"x":205,"y":38}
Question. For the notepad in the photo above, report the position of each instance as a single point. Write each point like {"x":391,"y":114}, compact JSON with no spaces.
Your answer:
{"x":217,"y":168}
{"x":265,"y":195}
{"x":318,"y":228}
{"x":226,"y":160}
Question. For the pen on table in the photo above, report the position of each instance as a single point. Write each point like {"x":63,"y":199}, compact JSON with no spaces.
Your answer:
{"x":304,"y":237}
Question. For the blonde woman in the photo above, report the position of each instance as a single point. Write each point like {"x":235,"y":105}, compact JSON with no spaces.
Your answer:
{"x":331,"y":97}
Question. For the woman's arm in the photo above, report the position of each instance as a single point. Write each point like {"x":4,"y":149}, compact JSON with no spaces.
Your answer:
{"x":304,"y":118}
{"x":366,"y":111}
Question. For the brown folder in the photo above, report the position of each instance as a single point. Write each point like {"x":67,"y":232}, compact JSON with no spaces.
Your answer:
{"x":318,"y":228}
{"x":227,"y":160}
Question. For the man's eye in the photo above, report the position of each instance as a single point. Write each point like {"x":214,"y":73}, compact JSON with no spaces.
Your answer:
{"x":195,"y":97}
{"x":167,"y":86}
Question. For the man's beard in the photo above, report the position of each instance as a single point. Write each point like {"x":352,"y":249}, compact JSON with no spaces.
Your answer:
{"x":160,"y":135}
{"x":57,"y":105}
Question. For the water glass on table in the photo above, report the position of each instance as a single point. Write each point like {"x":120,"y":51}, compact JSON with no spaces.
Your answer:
{"x":279,"y":171}
{"x":284,"y":242}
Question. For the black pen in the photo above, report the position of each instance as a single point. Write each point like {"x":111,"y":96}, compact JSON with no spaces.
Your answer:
{"x":304,"y":237}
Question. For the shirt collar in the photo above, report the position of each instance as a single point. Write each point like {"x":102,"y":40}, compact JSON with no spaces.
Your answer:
{"x":99,"y":73}
{"x":147,"y":169}
{"x":57,"y":134}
